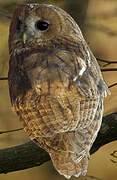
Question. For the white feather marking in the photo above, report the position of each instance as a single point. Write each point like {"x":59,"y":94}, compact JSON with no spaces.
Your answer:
{"x":89,"y":58}
{"x":75,"y":78}
{"x":83,"y":68}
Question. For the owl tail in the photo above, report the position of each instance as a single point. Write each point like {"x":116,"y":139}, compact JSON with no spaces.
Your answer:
{"x":67,"y":166}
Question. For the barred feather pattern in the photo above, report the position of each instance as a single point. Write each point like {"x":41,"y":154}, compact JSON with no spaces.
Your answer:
{"x":56,"y":86}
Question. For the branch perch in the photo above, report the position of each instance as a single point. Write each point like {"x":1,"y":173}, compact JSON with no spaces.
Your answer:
{"x":29,"y":155}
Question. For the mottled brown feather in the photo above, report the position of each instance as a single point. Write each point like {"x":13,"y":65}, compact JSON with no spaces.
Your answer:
{"x":56,"y":86}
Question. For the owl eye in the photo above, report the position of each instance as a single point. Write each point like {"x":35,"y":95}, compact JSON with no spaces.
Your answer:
{"x":18,"y":25}
{"x":41,"y":25}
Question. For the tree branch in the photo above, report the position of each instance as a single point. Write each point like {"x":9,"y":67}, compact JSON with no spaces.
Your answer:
{"x":9,"y":131}
{"x":109,"y":69}
{"x":4,"y":78}
{"x":107,"y":133}
{"x":107,"y":61}
{"x":112,"y":85}
{"x":29,"y":155}
{"x":22,"y":157}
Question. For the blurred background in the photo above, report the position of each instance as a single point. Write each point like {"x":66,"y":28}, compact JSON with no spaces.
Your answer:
{"x":98,"y":21}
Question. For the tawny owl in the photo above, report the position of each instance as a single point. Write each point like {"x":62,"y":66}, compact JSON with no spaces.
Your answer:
{"x":56,"y":86}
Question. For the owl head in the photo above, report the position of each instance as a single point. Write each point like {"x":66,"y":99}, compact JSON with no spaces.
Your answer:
{"x":34,"y":26}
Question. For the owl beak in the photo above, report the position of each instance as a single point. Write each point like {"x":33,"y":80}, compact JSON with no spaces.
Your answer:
{"x":25,"y":38}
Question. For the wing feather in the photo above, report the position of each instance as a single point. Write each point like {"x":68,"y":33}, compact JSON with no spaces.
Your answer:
{"x":69,"y":89}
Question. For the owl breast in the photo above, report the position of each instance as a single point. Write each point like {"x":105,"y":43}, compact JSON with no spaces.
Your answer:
{"x":51,"y":105}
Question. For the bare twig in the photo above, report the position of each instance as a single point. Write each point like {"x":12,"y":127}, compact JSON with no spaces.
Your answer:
{"x":4,"y":78}
{"x":108,"y":62}
{"x":115,"y":84}
{"x":109,"y":69}
{"x":9,"y":131}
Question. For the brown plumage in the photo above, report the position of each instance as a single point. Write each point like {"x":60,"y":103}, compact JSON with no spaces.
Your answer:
{"x":56,"y":86}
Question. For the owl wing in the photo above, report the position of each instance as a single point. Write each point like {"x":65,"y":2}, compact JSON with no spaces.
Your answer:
{"x":77,"y":145}
{"x":71,"y":88}
{"x":91,"y":83}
